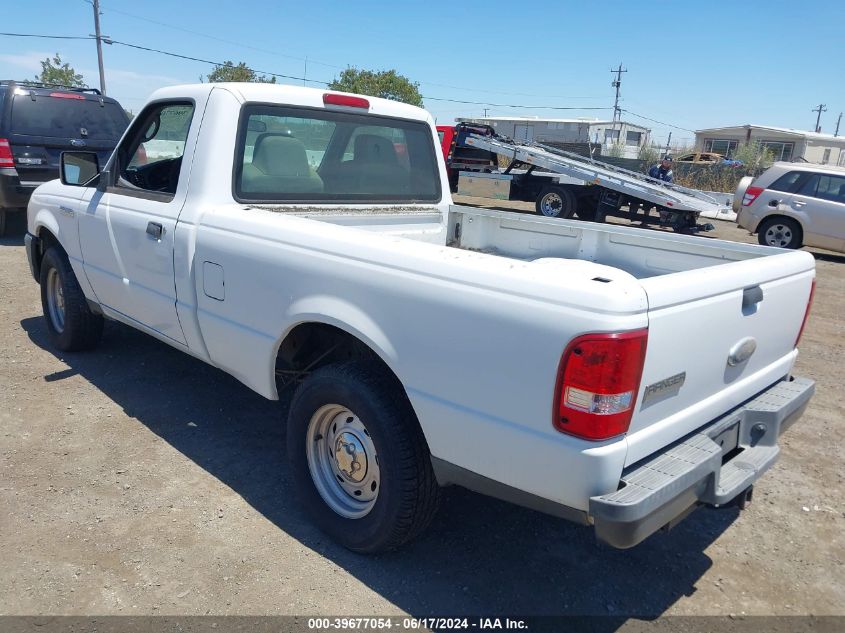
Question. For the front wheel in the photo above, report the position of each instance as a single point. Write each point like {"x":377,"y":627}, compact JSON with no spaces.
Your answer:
{"x":556,"y":202}
{"x":359,"y":459}
{"x":71,"y":324}
{"x":780,"y":232}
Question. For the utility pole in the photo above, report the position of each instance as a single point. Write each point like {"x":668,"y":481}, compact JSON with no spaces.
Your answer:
{"x":838,"y":121}
{"x":617,"y":112}
{"x":305,"y":74}
{"x":668,"y":141}
{"x":99,"y":37}
{"x":485,"y":112}
{"x":820,"y":109}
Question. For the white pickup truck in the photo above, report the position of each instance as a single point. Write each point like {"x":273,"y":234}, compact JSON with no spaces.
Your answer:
{"x":299,"y":238}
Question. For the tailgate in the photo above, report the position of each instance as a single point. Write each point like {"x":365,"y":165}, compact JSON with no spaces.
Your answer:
{"x":717,"y":336}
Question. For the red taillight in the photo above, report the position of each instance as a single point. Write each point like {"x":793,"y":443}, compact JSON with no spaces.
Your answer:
{"x":807,"y":311}
{"x":6,"y":158}
{"x":751,"y":195}
{"x":597,"y":384}
{"x":67,"y":95}
{"x":345,"y":100}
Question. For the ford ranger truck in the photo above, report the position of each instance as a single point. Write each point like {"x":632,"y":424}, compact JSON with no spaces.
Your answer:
{"x":305,"y":242}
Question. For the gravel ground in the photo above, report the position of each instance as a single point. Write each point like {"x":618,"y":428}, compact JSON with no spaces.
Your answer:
{"x":137,"y":480}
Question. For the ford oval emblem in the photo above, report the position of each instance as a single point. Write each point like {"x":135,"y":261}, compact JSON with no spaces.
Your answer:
{"x":77,"y":142}
{"x":742,"y":351}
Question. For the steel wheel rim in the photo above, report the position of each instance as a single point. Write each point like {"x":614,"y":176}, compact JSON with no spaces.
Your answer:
{"x":343,"y":461}
{"x":55,"y":300}
{"x":551,"y":205}
{"x":778,"y":235}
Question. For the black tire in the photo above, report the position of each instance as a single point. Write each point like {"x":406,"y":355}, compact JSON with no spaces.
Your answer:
{"x":3,"y":214}
{"x":587,"y":208}
{"x":80,"y":329}
{"x":781,"y":232}
{"x":408,"y":494}
{"x":556,"y":202}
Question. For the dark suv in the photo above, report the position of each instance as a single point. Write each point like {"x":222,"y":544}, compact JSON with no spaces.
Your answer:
{"x":37,"y":123}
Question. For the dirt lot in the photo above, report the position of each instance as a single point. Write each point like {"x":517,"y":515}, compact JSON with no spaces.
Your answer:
{"x":137,"y":480}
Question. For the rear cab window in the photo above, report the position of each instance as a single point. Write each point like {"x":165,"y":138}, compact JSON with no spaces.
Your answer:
{"x":287,"y":154}
{"x":71,"y":115}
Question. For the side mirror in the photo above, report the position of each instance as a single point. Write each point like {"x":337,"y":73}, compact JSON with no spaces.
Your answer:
{"x":79,"y":168}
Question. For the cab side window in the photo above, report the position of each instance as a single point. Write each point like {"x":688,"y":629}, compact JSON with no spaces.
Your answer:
{"x":150,"y":159}
{"x":786,"y":182}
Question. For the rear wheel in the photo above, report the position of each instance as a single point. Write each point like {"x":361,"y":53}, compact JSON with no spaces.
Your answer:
{"x":358,"y":457}
{"x":2,"y":222}
{"x":556,"y":202}
{"x":71,"y":324}
{"x":780,"y":232}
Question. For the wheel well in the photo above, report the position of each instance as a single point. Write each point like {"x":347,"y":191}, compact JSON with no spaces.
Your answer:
{"x":310,"y":346}
{"x":48,"y":240}
{"x":778,"y":217}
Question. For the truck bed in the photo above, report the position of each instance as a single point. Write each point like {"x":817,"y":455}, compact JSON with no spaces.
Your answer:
{"x":704,"y":297}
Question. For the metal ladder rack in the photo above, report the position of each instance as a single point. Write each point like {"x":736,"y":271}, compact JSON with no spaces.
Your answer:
{"x":590,"y":171}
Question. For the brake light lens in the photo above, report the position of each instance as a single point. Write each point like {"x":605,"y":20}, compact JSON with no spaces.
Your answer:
{"x":807,"y":311}
{"x":345,"y":100}
{"x":751,"y":195}
{"x":597,"y":384}
{"x":67,"y":95}
{"x":6,"y":158}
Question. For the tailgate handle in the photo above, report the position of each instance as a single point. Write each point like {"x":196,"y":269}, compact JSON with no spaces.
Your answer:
{"x":751,"y":297}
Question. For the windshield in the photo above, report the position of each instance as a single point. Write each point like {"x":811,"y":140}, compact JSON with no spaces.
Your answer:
{"x":67,"y":117}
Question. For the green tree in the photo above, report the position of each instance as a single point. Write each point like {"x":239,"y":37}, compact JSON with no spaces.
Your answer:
{"x":755,"y":157}
{"x":53,"y":71}
{"x":617,"y":150}
{"x":387,"y":84}
{"x":649,"y":154}
{"x":229,"y":72}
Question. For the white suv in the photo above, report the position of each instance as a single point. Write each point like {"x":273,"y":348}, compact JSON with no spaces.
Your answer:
{"x":794,"y":204}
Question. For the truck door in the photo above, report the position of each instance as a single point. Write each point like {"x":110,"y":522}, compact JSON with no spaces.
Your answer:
{"x":127,"y":224}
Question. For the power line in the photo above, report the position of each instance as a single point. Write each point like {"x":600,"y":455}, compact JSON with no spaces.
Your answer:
{"x":220,"y":39}
{"x":512,"y":105}
{"x":49,"y":37}
{"x":640,"y":116}
{"x":325,"y":83}
{"x":312,"y":61}
{"x":208,"y":61}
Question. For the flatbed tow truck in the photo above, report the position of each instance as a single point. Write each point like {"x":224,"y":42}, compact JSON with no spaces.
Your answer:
{"x":566,"y":185}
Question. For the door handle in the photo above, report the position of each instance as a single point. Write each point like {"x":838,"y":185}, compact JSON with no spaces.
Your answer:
{"x":155,"y":229}
{"x":798,"y":204}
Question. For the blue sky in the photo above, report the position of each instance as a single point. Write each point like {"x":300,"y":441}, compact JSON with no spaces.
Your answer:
{"x":690,"y":64}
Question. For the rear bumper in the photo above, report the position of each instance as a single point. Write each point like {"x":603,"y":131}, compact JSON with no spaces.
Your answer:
{"x":712,"y":466}
{"x":13,"y":194}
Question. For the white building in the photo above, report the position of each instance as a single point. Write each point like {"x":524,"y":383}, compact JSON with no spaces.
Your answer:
{"x":606,"y":133}
{"x":785,"y":143}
